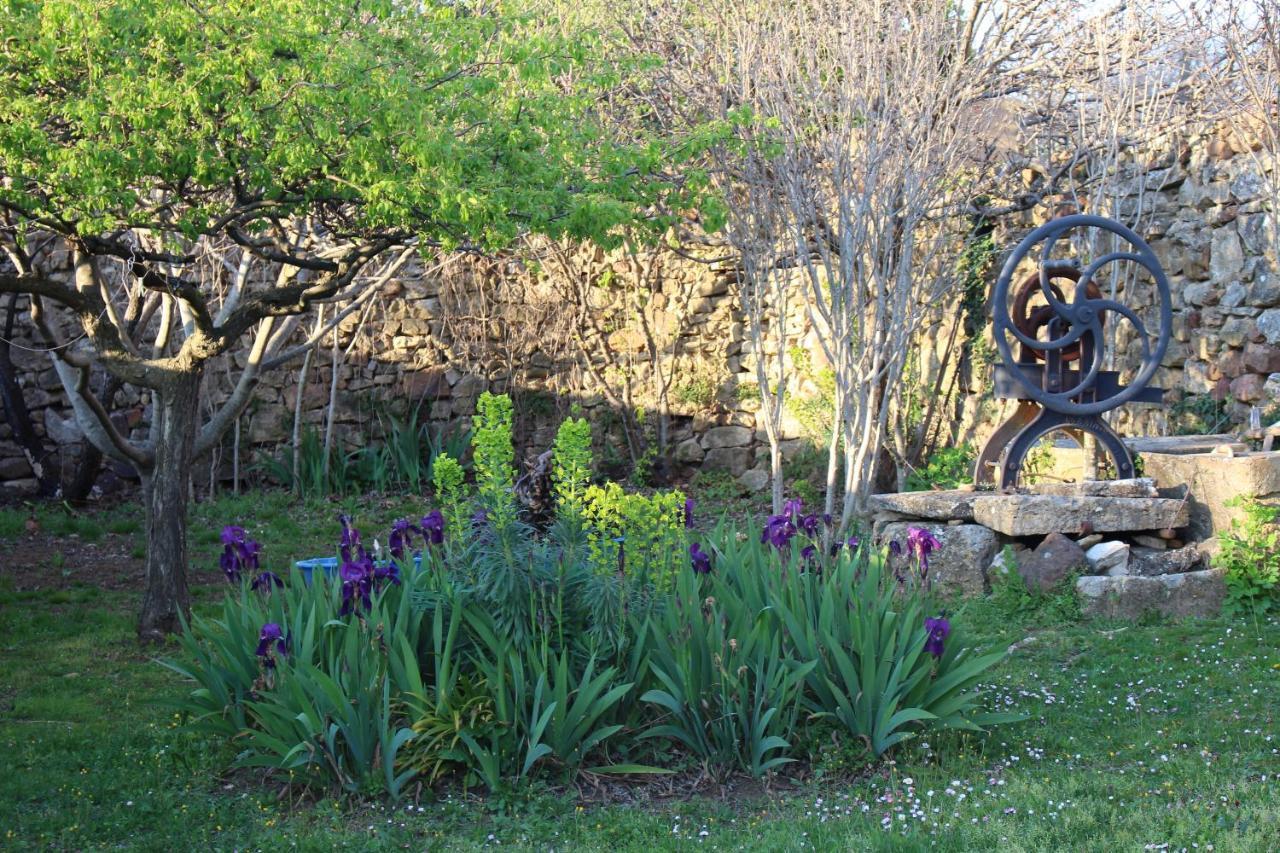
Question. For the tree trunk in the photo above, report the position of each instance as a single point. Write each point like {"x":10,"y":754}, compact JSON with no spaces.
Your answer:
{"x":164,"y":489}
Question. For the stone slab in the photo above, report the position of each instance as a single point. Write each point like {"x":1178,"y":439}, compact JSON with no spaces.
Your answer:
{"x":948,"y":505}
{"x":1139,"y":487}
{"x":1211,"y":481}
{"x":1037,"y":515}
{"x":959,"y":566}
{"x":1197,"y":594}
{"x":1181,"y":444}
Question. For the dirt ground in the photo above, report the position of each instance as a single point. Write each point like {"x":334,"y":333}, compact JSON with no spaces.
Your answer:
{"x":33,"y":562}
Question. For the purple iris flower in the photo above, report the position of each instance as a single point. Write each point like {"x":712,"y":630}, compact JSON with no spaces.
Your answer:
{"x":895,"y":548}
{"x":852,"y":544}
{"x":388,"y":572}
{"x":809,"y":524}
{"x":266,"y":581}
{"x":778,"y":531}
{"x":271,"y":640}
{"x":402,"y":536}
{"x":700,"y":560}
{"x":688,"y":512}
{"x":793,"y":507}
{"x":350,"y":541}
{"x":938,"y":630}
{"x":357,"y":581}
{"x":433,"y":526}
{"x":809,"y":552}
{"x":239,"y":553}
{"x":920,"y":544}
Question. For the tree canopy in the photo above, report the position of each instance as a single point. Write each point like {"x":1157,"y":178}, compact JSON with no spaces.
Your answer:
{"x":460,"y":123}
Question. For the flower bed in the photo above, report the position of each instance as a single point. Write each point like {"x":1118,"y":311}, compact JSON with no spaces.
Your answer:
{"x":615,"y":642}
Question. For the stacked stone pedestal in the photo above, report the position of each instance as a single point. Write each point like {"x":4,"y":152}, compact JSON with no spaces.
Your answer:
{"x":1125,"y":541}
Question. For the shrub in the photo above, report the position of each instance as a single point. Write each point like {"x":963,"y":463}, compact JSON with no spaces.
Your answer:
{"x":947,"y":468}
{"x":1250,"y":558}
{"x":634,"y":534}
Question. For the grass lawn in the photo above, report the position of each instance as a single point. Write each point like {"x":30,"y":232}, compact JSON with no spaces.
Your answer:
{"x":1153,"y":736}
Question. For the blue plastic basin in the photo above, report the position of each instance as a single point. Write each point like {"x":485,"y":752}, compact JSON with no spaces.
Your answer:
{"x":329,"y":565}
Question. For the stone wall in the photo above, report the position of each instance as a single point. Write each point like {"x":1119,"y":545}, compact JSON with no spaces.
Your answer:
{"x":579,"y":329}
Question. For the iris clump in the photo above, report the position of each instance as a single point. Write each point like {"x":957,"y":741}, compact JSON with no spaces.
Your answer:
{"x":575,"y":647}
{"x":239,"y":553}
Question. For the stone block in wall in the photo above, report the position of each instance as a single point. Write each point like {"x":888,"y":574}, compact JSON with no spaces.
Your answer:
{"x":1233,"y":295}
{"x":1269,"y":325}
{"x":1226,"y":258}
{"x":689,"y":451}
{"x":1248,"y":388}
{"x":1264,"y":292}
{"x":727,"y":436}
{"x":959,"y":566}
{"x":735,"y":460}
{"x":1256,"y":233}
{"x":1195,"y":377}
{"x":1033,"y":515}
{"x":1230,"y":364}
{"x":1195,"y":594}
{"x":1238,"y":331}
{"x":1261,"y":358}
{"x":1248,"y":185}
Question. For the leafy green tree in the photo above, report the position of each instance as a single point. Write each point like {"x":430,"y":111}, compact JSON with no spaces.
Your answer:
{"x":184,"y":180}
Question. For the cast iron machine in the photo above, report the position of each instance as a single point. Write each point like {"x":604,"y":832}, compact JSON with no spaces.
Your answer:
{"x":1056,"y":375}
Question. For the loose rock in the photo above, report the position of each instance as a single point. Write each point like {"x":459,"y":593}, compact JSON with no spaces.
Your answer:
{"x":1052,"y":562}
{"x":1108,"y":558}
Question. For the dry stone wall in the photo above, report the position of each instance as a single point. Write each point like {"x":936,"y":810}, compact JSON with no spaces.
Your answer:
{"x":606,"y":332}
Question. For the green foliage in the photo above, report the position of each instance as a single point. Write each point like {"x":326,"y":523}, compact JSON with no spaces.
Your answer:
{"x":113,"y":113}
{"x":1199,"y":414}
{"x":595,"y":648}
{"x":947,"y":468}
{"x":494,"y":457}
{"x":320,"y":711}
{"x":697,"y":387}
{"x":635,"y":534}
{"x":730,"y":689}
{"x":572,"y":464}
{"x":1250,"y":557}
{"x":75,"y":767}
{"x":716,"y":486}
{"x":1011,"y":597}
{"x":447,"y":478}
{"x":400,"y":461}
